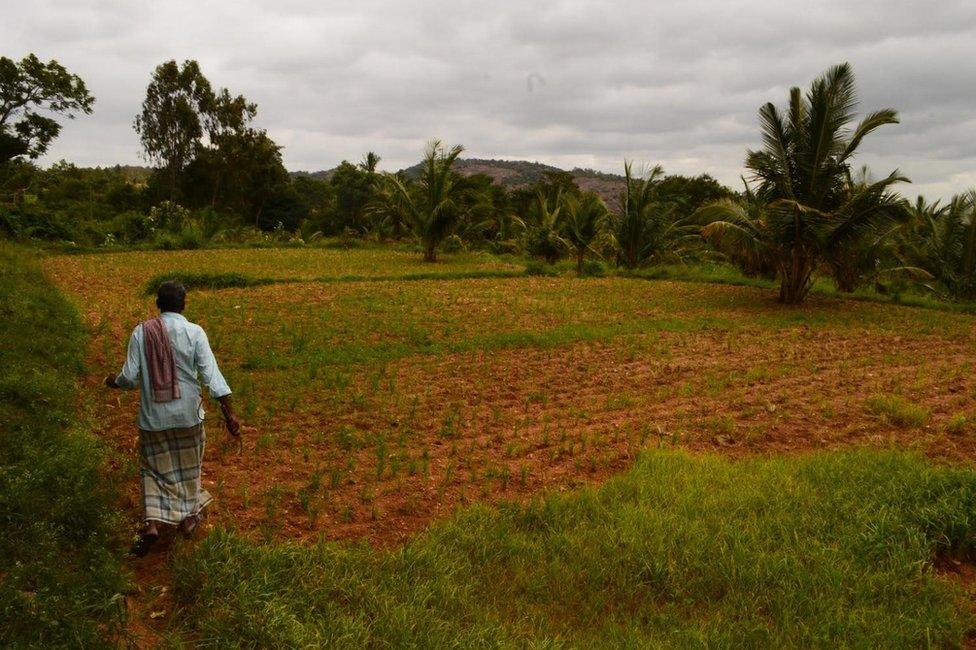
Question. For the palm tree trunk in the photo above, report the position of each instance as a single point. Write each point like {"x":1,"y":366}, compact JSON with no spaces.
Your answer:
{"x":580,"y":254}
{"x":846,"y":282}
{"x":430,"y":252}
{"x":795,"y":279}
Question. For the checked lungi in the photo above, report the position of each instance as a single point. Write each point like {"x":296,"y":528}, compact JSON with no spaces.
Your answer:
{"x":169,"y":464}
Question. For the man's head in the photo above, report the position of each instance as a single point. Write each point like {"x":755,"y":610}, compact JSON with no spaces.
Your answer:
{"x":171,"y":296}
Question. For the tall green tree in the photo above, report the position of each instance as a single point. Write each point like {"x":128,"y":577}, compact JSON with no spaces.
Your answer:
{"x":31,"y":93}
{"x":227,"y":124}
{"x":171,"y":123}
{"x":803,"y":173}
{"x":584,"y":220}
{"x":645,"y":230}
{"x":688,"y":193}
{"x":354,"y":189}
{"x":433,"y":209}
{"x":257,"y":180}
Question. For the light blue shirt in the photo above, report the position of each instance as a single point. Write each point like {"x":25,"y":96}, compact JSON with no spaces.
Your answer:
{"x":193,"y":355}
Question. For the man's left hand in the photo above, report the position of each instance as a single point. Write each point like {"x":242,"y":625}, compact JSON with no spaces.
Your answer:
{"x":110,"y":382}
{"x":233,"y":425}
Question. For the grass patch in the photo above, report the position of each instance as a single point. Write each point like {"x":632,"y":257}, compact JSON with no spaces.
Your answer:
{"x":433,"y":275}
{"x":822,"y":550}
{"x":717,"y":273}
{"x":538,"y":268}
{"x":240,"y":281}
{"x":60,"y":579}
{"x":705,"y":272}
{"x":204,"y":281}
{"x":959,"y":425}
{"x":898,"y":410}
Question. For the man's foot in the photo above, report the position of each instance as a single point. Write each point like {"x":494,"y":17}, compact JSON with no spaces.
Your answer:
{"x":143,"y":544}
{"x":189,"y":525}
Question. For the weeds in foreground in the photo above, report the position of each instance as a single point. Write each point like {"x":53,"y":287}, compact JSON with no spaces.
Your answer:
{"x":61,"y":580}
{"x":898,"y":411}
{"x":773,"y":558}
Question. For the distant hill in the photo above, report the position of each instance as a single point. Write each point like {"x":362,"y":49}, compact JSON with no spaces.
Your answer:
{"x":517,"y":173}
{"x":321,"y":175}
{"x":132,"y":173}
{"x":521,"y":173}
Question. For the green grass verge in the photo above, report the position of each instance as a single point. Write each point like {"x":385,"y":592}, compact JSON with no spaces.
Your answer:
{"x":203,"y":281}
{"x":822,"y":550}
{"x":239,"y":280}
{"x":60,"y":579}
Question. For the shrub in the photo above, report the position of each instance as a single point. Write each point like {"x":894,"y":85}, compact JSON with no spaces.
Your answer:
{"x":169,"y":216}
{"x":166,"y":241}
{"x":191,"y":236}
{"x":134,"y":226}
{"x":540,"y":268}
{"x":32,"y":222}
{"x":212,"y":222}
{"x":594,"y":269}
{"x":505,"y":247}
{"x":453,"y":244}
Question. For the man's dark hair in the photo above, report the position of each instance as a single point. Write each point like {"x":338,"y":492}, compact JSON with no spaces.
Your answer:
{"x":171,"y":296}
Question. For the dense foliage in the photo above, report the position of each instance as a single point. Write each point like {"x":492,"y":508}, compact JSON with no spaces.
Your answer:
{"x":805,"y":212}
{"x":31,"y":91}
{"x":940,"y":244}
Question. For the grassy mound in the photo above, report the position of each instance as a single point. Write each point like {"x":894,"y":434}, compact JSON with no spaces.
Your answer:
{"x":59,"y":577}
{"x":204,"y":281}
{"x":823,"y":550}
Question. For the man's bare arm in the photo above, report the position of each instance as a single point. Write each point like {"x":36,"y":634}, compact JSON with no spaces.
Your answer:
{"x":233,"y":425}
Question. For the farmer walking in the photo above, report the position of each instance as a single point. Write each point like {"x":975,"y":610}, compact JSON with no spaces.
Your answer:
{"x":166,"y":354}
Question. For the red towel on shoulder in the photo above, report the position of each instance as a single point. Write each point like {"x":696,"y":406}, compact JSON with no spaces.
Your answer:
{"x":161,"y":361}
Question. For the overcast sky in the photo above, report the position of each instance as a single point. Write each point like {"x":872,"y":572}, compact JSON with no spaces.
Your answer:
{"x":567,"y":83}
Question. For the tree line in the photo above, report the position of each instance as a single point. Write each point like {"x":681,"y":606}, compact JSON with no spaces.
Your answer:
{"x":805,"y":210}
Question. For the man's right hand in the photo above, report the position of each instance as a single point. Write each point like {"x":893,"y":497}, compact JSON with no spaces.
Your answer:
{"x":110,"y":382}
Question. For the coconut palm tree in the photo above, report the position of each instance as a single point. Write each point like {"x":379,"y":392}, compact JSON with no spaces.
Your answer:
{"x":369,"y":162}
{"x":856,"y":259}
{"x":385,"y":213}
{"x":744,"y":235}
{"x":943,"y":242}
{"x":802,"y":175}
{"x":584,"y":220}
{"x":544,"y":236}
{"x":646,"y":230}
{"x":433,"y":210}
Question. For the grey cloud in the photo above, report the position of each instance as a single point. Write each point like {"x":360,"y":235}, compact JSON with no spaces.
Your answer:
{"x":658,"y":82}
